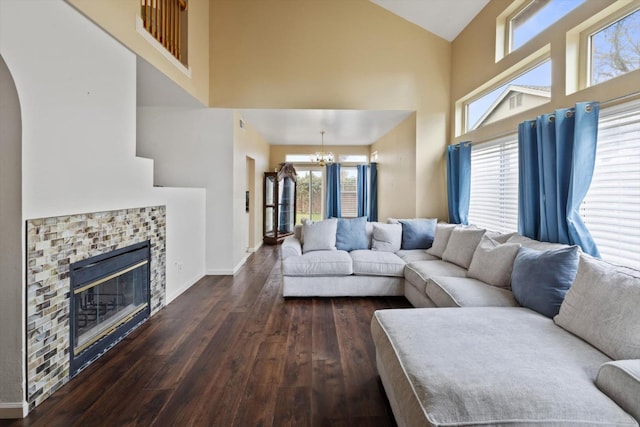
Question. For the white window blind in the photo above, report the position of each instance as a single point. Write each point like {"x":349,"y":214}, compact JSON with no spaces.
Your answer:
{"x":348,"y":191}
{"x":611,"y":209}
{"x":494,"y":185}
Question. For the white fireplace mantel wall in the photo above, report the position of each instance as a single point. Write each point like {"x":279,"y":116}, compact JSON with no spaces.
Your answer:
{"x":77,"y":92}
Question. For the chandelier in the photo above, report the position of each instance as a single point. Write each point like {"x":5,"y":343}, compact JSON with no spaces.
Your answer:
{"x":320,"y":157}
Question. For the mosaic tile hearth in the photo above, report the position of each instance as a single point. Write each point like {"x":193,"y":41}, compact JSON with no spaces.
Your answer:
{"x":52,"y":245}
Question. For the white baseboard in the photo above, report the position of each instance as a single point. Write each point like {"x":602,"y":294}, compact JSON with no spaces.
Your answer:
{"x":13,"y":410}
{"x":219,"y":272}
{"x":241,"y":263}
{"x":227,"y":272}
{"x":254,"y":249}
{"x":186,"y":285}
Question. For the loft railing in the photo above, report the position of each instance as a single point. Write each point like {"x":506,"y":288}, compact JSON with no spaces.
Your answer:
{"x":166,"y":21}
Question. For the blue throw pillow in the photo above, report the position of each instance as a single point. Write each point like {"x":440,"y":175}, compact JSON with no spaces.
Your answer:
{"x":352,"y":234}
{"x":418,"y":233}
{"x":540,"y":279}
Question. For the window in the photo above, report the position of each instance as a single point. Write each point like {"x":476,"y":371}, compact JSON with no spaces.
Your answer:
{"x":615,"y":49}
{"x":612,"y":206}
{"x":494,"y":185}
{"x":530,"y":89}
{"x":309,"y":194}
{"x":535,"y":17}
{"x":297,"y":158}
{"x":515,"y":101}
{"x":348,"y":191}
{"x":353,"y":158}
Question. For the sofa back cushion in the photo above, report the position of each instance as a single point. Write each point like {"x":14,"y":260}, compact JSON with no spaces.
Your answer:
{"x":462,"y":244}
{"x":386,"y":237}
{"x":602,"y":308}
{"x":440,"y":239}
{"x":351,"y":234}
{"x":492,"y":262}
{"x":319,"y":236}
{"x":540,"y":279}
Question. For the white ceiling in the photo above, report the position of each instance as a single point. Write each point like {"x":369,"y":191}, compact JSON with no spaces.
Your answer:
{"x":445,"y":18}
{"x":342,"y":127}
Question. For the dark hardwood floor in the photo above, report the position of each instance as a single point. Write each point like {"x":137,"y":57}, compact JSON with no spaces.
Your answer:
{"x":231,"y":351}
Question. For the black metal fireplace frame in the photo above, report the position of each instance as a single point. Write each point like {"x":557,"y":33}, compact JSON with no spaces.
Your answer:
{"x":86,"y":271}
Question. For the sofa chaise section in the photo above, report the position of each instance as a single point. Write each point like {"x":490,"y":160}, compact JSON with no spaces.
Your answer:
{"x":489,"y":366}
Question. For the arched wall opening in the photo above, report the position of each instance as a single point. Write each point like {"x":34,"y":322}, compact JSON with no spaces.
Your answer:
{"x":12,"y":376}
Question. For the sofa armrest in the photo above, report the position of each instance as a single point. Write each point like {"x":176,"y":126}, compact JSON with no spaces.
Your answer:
{"x":620,"y":380}
{"x":290,"y":247}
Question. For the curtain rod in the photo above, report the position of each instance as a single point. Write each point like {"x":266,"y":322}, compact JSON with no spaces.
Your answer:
{"x":608,"y":103}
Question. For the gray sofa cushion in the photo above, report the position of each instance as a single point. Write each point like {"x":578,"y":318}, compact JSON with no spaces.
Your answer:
{"x":489,"y":366}
{"x":419,"y":272}
{"x":440,"y":239}
{"x":601,"y":307}
{"x":319,"y":236}
{"x":620,"y":380}
{"x":411,"y":255}
{"x":492,"y":262}
{"x":318,"y":263}
{"x":462,"y":244}
{"x":377,"y":263}
{"x":386,"y":237}
{"x":467,"y":292}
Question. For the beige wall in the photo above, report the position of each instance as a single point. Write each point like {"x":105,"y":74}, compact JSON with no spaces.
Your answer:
{"x":474,"y":64}
{"x":396,"y":171}
{"x":117,"y":17}
{"x":337,"y":54}
{"x":247,"y":143}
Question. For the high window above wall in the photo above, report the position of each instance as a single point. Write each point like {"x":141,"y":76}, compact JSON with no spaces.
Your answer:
{"x":604,"y":47}
{"x":526,"y":19}
{"x":521,"y":93}
{"x":613,"y":49}
{"x":166,"y":21}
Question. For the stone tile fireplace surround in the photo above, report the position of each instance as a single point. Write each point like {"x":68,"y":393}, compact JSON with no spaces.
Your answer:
{"x":53,"y":244}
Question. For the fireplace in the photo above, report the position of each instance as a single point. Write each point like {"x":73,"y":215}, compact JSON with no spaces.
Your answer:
{"x":110,"y":296}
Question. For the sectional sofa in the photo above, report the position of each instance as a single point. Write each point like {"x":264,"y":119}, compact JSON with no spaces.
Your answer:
{"x":547,"y":335}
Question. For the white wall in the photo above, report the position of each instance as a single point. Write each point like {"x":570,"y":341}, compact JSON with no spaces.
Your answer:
{"x":247,"y":143}
{"x":193,"y":147}
{"x":77,"y":90}
{"x":185,"y":238}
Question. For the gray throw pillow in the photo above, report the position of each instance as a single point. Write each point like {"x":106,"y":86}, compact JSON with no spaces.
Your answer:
{"x":441,"y":238}
{"x":386,"y":237}
{"x":319,"y":236}
{"x":462,"y":244}
{"x":601,"y":307}
{"x":492,"y":262}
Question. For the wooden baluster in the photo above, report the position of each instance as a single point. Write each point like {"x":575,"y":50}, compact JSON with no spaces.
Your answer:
{"x":147,"y":15}
{"x":179,"y":34}
{"x":172,"y":16}
{"x":164,"y":23}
